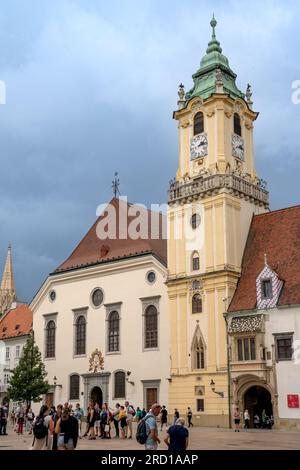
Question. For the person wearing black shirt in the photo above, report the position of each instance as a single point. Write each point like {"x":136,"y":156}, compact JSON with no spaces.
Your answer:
{"x":67,"y":431}
{"x":163,"y":417}
{"x":178,"y":437}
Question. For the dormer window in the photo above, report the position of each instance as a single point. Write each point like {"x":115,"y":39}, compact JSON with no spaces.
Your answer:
{"x":266,"y":289}
{"x":198,"y":124}
{"x":237,"y":125}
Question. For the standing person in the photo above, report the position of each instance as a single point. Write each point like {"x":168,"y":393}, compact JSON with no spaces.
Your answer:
{"x":264,"y":419}
{"x":87,"y":429}
{"x":55,"y":419}
{"x":3,"y":419}
{"x":104,"y":421}
{"x":163,"y":417}
{"x":151,"y":427}
{"x":189,"y":417}
{"x":21,"y":419}
{"x":138,"y":414}
{"x":42,"y":429}
{"x":92,"y":419}
{"x":130,"y":413}
{"x":115,"y":416}
{"x":30,"y":418}
{"x":78,"y":413}
{"x":144,"y":412}
{"x":177,"y":439}
{"x":256,"y":421}
{"x":246,"y":419}
{"x":237,"y":420}
{"x":97,"y":426}
{"x":176,"y":416}
{"x":67,"y":431}
{"x":123,"y":421}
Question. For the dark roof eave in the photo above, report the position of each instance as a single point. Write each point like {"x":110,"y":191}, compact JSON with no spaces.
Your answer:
{"x":113,"y":260}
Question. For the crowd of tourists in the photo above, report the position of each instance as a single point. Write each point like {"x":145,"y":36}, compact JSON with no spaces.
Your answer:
{"x":59,"y":428}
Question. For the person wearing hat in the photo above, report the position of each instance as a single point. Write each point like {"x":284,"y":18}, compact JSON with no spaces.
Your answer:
{"x":151,"y":427}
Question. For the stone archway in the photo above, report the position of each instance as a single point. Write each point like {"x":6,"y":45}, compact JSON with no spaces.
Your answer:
{"x":258,"y":400}
{"x":250,"y":391}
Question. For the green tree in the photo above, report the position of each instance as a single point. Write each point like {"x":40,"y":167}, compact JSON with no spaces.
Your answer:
{"x":28,"y":381}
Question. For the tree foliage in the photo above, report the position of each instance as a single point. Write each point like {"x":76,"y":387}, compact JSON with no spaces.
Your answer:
{"x":28,"y":381}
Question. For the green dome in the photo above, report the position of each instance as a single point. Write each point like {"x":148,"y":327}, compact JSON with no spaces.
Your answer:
{"x":205,"y":77}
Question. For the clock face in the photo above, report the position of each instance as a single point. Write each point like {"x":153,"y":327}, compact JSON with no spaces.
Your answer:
{"x":199,"y":146}
{"x":238,"y":146}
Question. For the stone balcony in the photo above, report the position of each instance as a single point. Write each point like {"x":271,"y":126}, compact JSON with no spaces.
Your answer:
{"x":199,"y":188}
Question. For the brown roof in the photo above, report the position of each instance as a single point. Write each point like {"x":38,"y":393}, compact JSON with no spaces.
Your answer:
{"x":276,"y":234}
{"x":92,"y":250}
{"x":17,"y":322}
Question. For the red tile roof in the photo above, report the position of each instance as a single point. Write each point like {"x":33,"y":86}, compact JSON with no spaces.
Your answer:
{"x":92,"y":250}
{"x":17,"y":322}
{"x":278,"y":235}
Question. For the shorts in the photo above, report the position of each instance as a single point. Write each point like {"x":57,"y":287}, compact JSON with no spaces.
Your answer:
{"x":97,"y":424}
{"x":61,"y":442}
{"x":237,"y":421}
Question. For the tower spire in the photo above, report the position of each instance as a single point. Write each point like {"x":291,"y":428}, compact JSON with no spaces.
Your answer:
{"x":7,"y":288}
{"x":213,"y":24}
{"x":8,"y":283}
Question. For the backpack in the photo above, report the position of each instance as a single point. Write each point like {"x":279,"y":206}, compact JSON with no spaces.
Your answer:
{"x":39,"y":429}
{"x":141,"y":432}
{"x":133,"y":413}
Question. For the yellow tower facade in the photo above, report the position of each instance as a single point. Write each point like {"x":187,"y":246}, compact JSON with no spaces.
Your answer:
{"x":211,"y":203}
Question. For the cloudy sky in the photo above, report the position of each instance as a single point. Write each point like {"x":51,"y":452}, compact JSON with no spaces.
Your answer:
{"x":90,"y":90}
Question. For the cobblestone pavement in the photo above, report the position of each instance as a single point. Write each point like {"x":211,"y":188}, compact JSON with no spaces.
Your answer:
{"x":200,"y":439}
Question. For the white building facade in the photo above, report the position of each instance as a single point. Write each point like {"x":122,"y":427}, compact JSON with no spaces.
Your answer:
{"x":103,"y":325}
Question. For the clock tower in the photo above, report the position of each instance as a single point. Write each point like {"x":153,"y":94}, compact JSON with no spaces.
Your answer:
{"x":211,"y":201}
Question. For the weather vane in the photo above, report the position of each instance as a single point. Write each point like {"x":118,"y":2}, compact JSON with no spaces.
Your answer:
{"x":115,"y":185}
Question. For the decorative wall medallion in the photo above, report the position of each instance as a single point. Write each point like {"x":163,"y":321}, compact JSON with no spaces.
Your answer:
{"x":210,"y":113}
{"x":97,"y":297}
{"x":96,"y":362}
{"x":238,"y":108}
{"x":199,"y":146}
{"x":185,"y":123}
{"x":197,"y":103}
{"x":237,"y":143}
{"x":52,"y":296}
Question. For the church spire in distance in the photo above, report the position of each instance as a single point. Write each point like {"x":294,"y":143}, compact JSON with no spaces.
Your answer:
{"x":7,"y":288}
{"x":8,"y":283}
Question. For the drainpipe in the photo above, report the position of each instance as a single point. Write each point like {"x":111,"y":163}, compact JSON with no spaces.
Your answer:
{"x":275,"y":404}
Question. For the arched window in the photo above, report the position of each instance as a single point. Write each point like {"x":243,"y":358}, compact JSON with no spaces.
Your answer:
{"x":80,"y":336}
{"x":198,"y":124}
{"x":195,"y":221}
{"x":237,"y":124}
{"x":195,"y":262}
{"x":50,"y":339}
{"x":197,"y":304}
{"x":198,"y":354}
{"x":120,"y":385}
{"x":74,"y":387}
{"x":151,"y":327}
{"x":113,"y":332}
